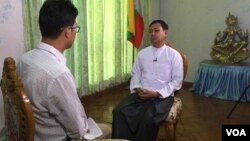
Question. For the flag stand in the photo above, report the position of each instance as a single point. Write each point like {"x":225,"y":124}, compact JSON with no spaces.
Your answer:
{"x":243,"y":93}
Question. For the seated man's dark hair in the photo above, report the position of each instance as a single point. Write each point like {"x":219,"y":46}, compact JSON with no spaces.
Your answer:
{"x":55,"y":15}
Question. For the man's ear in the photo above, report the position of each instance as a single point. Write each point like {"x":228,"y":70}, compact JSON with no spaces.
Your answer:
{"x":166,"y":33}
{"x":67,"y":32}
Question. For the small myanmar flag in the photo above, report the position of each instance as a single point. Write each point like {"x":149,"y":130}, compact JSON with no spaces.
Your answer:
{"x":135,"y":23}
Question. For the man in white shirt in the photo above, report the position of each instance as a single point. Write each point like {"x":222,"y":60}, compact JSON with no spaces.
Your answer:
{"x":58,"y":111}
{"x":157,"y":73}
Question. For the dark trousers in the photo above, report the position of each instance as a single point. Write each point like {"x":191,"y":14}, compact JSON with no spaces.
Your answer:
{"x":138,"y":120}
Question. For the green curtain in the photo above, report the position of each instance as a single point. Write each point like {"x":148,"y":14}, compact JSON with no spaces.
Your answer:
{"x":30,"y":21}
{"x":101,"y":56}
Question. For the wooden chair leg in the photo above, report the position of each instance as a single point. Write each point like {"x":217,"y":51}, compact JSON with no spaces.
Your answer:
{"x":170,"y":130}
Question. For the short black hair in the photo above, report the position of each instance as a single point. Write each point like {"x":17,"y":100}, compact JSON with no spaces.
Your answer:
{"x":163,"y":24}
{"x":54,"y":15}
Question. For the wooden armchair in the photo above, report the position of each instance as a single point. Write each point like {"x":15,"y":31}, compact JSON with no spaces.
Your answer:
{"x":19,"y":119}
{"x":175,"y":112}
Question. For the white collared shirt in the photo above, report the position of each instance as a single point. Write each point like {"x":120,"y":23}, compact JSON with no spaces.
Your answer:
{"x":51,"y":89}
{"x":158,"y":69}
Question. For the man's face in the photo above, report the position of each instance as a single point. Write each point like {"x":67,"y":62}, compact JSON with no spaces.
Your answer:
{"x":72,"y":30}
{"x":157,"y":34}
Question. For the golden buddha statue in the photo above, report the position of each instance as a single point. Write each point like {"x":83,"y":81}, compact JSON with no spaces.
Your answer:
{"x":230,"y":44}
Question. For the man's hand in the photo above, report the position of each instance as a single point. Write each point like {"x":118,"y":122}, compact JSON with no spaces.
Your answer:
{"x":147,"y":94}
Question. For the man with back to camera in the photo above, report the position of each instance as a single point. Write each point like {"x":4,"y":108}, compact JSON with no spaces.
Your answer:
{"x":157,"y":73}
{"x":58,"y":111}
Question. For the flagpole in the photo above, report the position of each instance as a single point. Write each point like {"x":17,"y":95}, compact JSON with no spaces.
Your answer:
{"x":133,"y":58}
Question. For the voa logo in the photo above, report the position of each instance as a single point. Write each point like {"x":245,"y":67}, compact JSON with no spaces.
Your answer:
{"x":236,"y":132}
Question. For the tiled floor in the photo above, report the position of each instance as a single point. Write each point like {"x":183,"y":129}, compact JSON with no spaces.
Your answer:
{"x":201,"y":119}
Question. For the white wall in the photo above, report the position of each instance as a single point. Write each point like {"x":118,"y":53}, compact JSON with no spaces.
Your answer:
{"x":194,"y":23}
{"x":11,"y":37}
{"x":154,"y":10}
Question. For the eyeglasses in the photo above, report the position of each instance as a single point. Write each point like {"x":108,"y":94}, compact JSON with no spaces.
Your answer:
{"x":76,"y":28}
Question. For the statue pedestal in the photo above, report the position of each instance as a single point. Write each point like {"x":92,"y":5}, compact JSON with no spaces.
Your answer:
{"x":223,"y":81}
